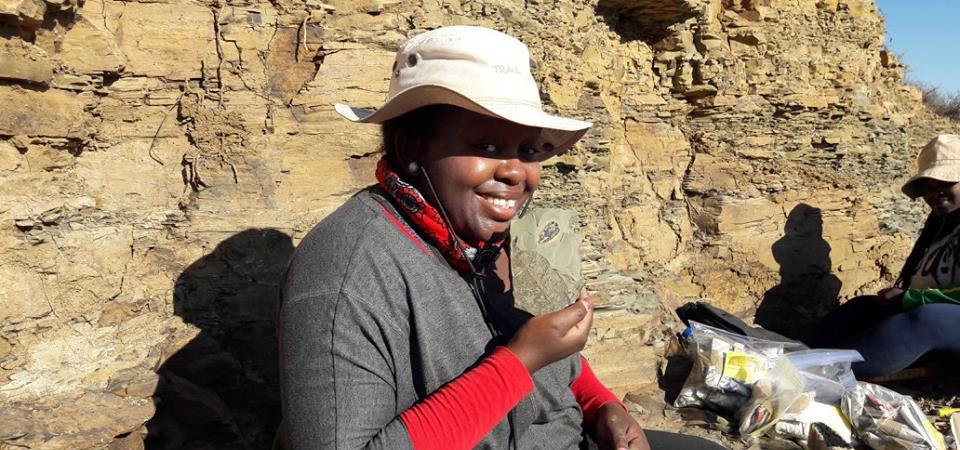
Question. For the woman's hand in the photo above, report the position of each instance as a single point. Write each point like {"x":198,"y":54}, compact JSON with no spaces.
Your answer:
{"x":552,"y":337}
{"x":615,"y":429}
{"x":890,"y":293}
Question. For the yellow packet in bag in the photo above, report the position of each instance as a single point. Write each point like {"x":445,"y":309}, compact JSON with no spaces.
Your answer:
{"x":744,"y":367}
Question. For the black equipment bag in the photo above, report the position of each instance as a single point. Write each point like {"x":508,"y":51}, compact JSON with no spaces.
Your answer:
{"x":708,"y":314}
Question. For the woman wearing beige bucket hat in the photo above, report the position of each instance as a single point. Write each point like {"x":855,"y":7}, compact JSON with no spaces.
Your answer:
{"x":397,"y":327}
{"x":921,"y":313}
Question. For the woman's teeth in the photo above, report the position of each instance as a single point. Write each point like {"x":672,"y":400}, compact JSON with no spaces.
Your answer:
{"x":501,"y":203}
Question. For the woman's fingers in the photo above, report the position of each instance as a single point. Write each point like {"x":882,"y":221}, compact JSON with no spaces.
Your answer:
{"x":551,"y":337}
{"x":584,"y":324}
{"x":571,"y":316}
{"x":620,"y":441}
{"x":639,"y":443}
{"x":585,"y":315}
{"x":889,"y":293}
{"x":618,"y":431}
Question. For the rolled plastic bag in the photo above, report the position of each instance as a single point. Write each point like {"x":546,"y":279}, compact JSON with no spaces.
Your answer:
{"x":886,"y":420}
{"x":725,"y":367}
{"x":833,"y":364}
{"x":826,"y":372}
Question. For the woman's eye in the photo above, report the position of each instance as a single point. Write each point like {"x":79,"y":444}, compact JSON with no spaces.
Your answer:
{"x":529,"y":152}
{"x":487,"y":148}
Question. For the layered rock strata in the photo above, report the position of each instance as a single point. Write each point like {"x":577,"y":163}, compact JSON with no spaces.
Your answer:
{"x":159,"y":161}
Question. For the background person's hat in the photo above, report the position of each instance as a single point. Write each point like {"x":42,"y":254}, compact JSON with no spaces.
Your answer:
{"x":939,"y":160}
{"x":475,"y":68}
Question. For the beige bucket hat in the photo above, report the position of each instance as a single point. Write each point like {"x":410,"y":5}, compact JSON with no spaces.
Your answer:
{"x":475,"y":68}
{"x":939,"y":160}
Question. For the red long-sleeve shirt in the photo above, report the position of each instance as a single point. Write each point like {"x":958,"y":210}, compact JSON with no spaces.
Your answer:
{"x":461,"y":413}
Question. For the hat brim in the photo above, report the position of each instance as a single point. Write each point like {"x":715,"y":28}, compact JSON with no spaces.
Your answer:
{"x":948,"y":173}
{"x":561,"y":132}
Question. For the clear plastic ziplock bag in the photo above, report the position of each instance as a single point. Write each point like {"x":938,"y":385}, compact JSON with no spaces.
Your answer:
{"x":826,"y":376}
{"x":780,"y":390}
{"x":886,"y":420}
{"x":796,"y":424}
{"x":725,"y":367}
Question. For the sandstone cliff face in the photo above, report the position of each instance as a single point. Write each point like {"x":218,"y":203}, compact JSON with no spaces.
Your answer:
{"x":159,"y":161}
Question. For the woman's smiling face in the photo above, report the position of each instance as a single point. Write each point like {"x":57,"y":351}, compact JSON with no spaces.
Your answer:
{"x":942,"y":196}
{"x":483,"y":170}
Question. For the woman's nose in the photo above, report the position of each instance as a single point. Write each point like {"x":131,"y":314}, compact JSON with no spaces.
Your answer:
{"x":511,"y":171}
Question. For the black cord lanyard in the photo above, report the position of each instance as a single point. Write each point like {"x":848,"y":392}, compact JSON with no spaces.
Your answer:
{"x":484,"y":258}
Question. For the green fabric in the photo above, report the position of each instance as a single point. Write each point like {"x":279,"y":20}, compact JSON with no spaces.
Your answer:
{"x":913,"y":298}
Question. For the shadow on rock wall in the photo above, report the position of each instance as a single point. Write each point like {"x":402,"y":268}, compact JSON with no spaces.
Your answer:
{"x":221,"y":390}
{"x":808,"y":288}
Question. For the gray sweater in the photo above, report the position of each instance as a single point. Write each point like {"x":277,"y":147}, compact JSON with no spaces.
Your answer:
{"x":374,"y":320}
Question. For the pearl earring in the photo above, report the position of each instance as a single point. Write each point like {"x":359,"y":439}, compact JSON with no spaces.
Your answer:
{"x":413,"y":167}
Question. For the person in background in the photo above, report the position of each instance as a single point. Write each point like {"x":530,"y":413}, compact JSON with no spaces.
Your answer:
{"x":920,"y":313}
{"x":397,"y":326}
